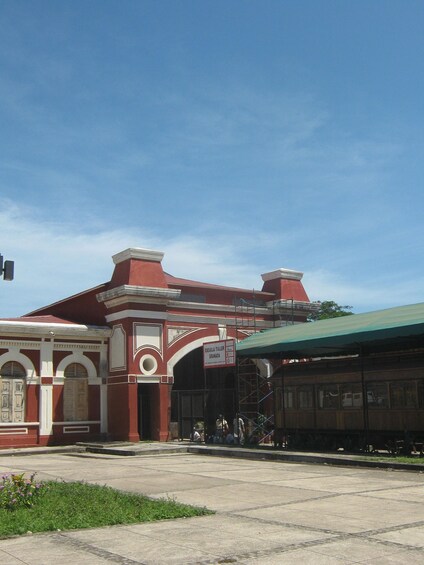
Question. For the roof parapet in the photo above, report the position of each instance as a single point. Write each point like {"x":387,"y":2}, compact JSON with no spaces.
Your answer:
{"x":282,"y":274}
{"x":138,"y":253}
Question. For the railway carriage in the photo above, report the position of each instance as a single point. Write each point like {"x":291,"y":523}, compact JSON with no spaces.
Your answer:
{"x":355,"y":382}
{"x":376,"y":402}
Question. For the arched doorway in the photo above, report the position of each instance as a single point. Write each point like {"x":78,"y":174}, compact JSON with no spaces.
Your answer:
{"x":200,"y":396}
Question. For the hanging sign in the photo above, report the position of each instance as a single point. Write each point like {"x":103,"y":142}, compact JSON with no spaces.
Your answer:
{"x":219,"y":354}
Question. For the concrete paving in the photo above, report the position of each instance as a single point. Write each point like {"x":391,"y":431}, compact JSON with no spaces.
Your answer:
{"x":267,"y":511}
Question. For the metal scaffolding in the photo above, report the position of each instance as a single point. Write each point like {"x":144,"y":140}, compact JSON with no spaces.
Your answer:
{"x":254,"y":395}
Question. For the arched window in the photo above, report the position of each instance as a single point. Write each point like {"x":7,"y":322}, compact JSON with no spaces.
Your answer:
{"x":75,"y":393}
{"x":12,"y":392}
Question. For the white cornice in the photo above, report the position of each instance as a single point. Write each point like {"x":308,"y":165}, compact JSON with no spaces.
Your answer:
{"x":218,"y":307}
{"x":282,"y":274}
{"x":140,"y":314}
{"x":52,"y":329}
{"x":176,"y":318}
{"x":151,"y":292}
{"x":138,"y":253}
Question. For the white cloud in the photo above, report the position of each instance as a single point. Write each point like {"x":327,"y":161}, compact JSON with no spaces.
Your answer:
{"x":372,"y":293}
{"x":54,"y":260}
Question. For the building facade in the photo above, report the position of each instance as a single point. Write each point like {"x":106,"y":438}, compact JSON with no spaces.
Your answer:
{"x":106,"y":363}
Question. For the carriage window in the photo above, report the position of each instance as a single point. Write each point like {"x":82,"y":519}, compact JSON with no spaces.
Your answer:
{"x":12,"y":392}
{"x":403,"y":395}
{"x":305,"y":397}
{"x":420,"y":385}
{"x":377,"y":396}
{"x":328,"y":396}
{"x":351,"y":395}
{"x":289,"y":396}
{"x":75,"y":393}
{"x":278,"y":399}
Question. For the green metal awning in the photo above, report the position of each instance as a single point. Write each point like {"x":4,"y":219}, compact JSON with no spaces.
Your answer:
{"x":372,"y":330}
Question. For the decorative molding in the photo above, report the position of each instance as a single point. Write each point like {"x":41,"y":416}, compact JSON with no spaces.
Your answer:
{"x":147,"y":338}
{"x":187,"y":349}
{"x":76,"y":429}
{"x":118,"y":349}
{"x":7,"y":344}
{"x":48,"y":329}
{"x":149,"y":292}
{"x":14,"y":432}
{"x":77,"y":423}
{"x":138,"y":253}
{"x":282,"y":274}
{"x":147,"y":361}
{"x":78,"y":357}
{"x":14,"y":355}
{"x":76,"y":346}
{"x":114,"y":302}
{"x":151,"y":315}
{"x":45,"y":404}
{"x":175,"y":333}
{"x":247,"y":333}
{"x":141,"y":314}
{"x":148,"y":379}
{"x":262,"y":310}
{"x":214,"y":320}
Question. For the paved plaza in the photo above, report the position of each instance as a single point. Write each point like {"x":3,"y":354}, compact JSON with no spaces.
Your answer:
{"x":267,"y":512}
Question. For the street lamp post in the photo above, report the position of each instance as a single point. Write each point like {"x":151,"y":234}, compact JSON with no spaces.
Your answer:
{"x":6,"y":269}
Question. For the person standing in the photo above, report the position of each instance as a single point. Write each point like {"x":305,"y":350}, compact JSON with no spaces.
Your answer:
{"x":221,"y":428}
{"x":239,"y":429}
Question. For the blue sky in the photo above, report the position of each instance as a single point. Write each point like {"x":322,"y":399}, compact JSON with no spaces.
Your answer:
{"x":237,"y":137}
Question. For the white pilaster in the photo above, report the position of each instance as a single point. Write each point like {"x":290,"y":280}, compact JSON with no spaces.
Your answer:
{"x":46,"y":391}
{"x":46,"y":410}
{"x":103,"y":388}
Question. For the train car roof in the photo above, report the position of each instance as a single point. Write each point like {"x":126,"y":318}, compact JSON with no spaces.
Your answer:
{"x":400,"y":327}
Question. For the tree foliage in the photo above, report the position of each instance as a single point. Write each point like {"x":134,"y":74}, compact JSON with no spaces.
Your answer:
{"x":329,"y":309}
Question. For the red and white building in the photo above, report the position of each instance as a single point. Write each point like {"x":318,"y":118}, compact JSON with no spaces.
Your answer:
{"x":108,"y":362}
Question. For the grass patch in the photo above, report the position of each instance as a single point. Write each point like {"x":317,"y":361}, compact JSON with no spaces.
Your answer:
{"x":402,"y":459}
{"x":69,"y":506}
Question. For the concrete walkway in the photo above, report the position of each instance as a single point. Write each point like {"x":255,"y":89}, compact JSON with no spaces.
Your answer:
{"x":267,"y":512}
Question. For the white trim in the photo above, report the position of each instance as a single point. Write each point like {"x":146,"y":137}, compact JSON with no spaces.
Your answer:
{"x":114,"y":302}
{"x":17,"y":424}
{"x":44,"y":328}
{"x":46,"y":410}
{"x":218,"y":307}
{"x":187,"y":349}
{"x":78,"y":357}
{"x":76,"y":429}
{"x":46,"y":358}
{"x":150,"y":292}
{"x":282,"y":274}
{"x":18,"y":344}
{"x":216,"y":320}
{"x":144,"y":314}
{"x":116,"y":353}
{"x":142,"y":379}
{"x":136,"y":336}
{"x":175,"y":318}
{"x":185,"y":331}
{"x":103,"y":364}
{"x":76,"y":423}
{"x":138,"y":253}
{"x":103,"y":409}
{"x":15,"y":432}
{"x":14,"y":355}
{"x":148,"y":357}
{"x":70,"y":345}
